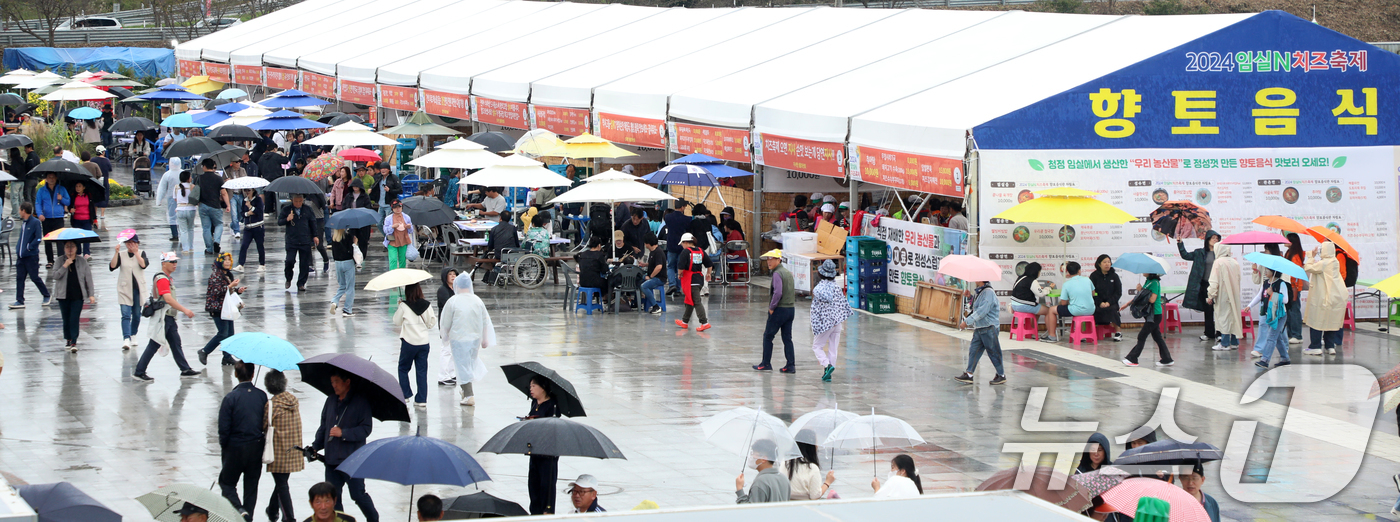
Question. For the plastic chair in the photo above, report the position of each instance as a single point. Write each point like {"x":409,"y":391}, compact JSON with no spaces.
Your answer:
{"x":1349,"y":320}
{"x":1394,"y":311}
{"x":1171,"y":317}
{"x":1247,"y":324}
{"x":1078,"y":334}
{"x":1024,"y":326}
{"x":736,"y":276}
{"x":5,"y":231}
{"x":586,"y":300}
{"x":628,"y":285}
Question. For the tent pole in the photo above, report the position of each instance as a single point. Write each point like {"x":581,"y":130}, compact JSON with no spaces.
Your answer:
{"x":970,"y":197}
{"x":756,"y":233}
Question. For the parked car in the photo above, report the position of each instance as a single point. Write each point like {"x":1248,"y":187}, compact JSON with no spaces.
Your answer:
{"x":89,"y":22}
{"x":218,"y":23}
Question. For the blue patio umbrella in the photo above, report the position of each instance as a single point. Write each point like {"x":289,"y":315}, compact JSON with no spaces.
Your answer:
{"x":285,"y":120}
{"x":84,"y":113}
{"x":686,"y":175}
{"x":220,"y":113}
{"x":292,"y":92}
{"x":263,"y":349}
{"x":715,"y":165}
{"x":183,"y":119}
{"x":63,"y":502}
{"x":1277,"y":264}
{"x":230,"y":94}
{"x":352,"y":218}
{"x":170,"y":93}
{"x":1139,"y":263}
{"x":282,"y":101}
{"x":412,"y":460}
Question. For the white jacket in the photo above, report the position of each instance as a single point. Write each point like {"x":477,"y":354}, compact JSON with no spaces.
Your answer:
{"x":414,"y":328}
{"x":806,"y":481}
{"x":898,"y":486}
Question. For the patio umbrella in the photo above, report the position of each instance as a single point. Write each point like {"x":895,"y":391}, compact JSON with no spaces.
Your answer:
{"x":1141,"y":264}
{"x":1043,"y":483}
{"x":359,"y":154}
{"x":110,"y":80}
{"x":414,"y":459}
{"x":458,"y":154}
{"x":202,"y":84}
{"x":515,"y":171}
{"x":346,"y":118}
{"x":121,"y":92}
{"x":1321,"y":233}
{"x":246,"y":182}
{"x":164,"y":502}
{"x":352,"y":134}
{"x":351,"y":218}
{"x":428,"y":212}
{"x":263,"y":350}
{"x":227,"y":133}
{"x":63,"y":168}
{"x":478,"y":504}
{"x":285,"y":120}
{"x":42,"y":79}
{"x":132,"y":124}
{"x":1277,"y":264}
{"x":611,"y":187}
{"x":166,"y":81}
{"x":519,"y":375}
{"x":244,"y":117}
{"x":64,"y":502}
{"x":1123,"y":498}
{"x":195,"y":146}
{"x":1169,"y":453}
{"x":419,"y":124}
{"x":84,"y":113}
{"x":1181,"y":219}
{"x":969,"y":268}
{"x":10,"y":99}
{"x":282,"y":101}
{"x":180,"y":120}
{"x":371,"y":381}
{"x":873,"y":432}
{"x":16,"y":76}
{"x":293,"y":185}
{"x":537,"y":143}
{"x":75,"y":91}
{"x":14,"y":141}
{"x":322,"y":167}
{"x":170,"y":93}
{"x":396,"y":278}
{"x":589,"y":146}
{"x":685,"y":175}
{"x":494,"y":141}
{"x":745,"y":431}
{"x":1281,"y":223}
{"x":231,"y":94}
{"x":554,"y":437}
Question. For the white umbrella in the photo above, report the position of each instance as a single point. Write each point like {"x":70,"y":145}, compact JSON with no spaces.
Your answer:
{"x":538,"y":142}
{"x":16,"y":76}
{"x":246,"y":182}
{"x":602,"y":189}
{"x":459,"y":154}
{"x":516,"y":171}
{"x":351,"y":134}
{"x":818,"y":424}
{"x":83,"y":75}
{"x":461,"y":144}
{"x":873,"y":432}
{"x":612,"y":175}
{"x":396,"y":278}
{"x":741,"y":429}
{"x":43,"y":79}
{"x":244,"y":117}
{"x":77,"y":91}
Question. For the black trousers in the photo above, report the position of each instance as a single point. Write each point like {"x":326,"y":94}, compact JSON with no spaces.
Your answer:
{"x":1151,"y":329}
{"x":172,"y":335}
{"x":281,"y":499}
{"x":252,"y":236}
{"x":779,"y":321}
{"x":71,"y":310}
{"x":244,"y":461}
{"x":50,"y":225}
{"x":1209,"y":311}
{"x":293,"y":254}
{"x":339,"y":479}
{"x":544,"y":473}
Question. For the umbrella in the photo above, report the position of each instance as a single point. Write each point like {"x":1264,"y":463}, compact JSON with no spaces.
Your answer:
{"x":244,"y":117}
{"x":1124,"y":497}
{"x":589,"y":146}
{"x":77,"y":235}
{"x":1043,"y":483}
{"x":322,"y":167}
{"x":352,"y":134}
{"x":63,"y":502}
{"x":1255,"y":237}
{"x":293,"y":185}
{"x":5,"y":176}
{"x":113,"y":80}
{"x":63,"y":168}
{"x":84,"y":113}
{"x":166,"y":81}
{"x":1181,"y":219}
{"x":227,"y":133}
{"x":289,"y":102}
{"x":428,"y":212}
{"x":263,"y":349}
{"x":1101,"y":480}
{"x":170,"y":93}
{"x":458,"y":154}
{"x":1065,"y":206}
{"x":611,"y":191}
{"x":552,"y":436}
{"x":815,"y":426}
{"x":1169,"y":453}
{"x":969,"y":268}
{"x":92,"y":187}
{"x":327,"y":116}
{"x":684,"y":175}
{"x":121,"y":92}
{"x":514,"y":171}
{"x":285,"y":120}
{"x":14,"y":141}
{"x":412,"y":460}
{"x":873,"y":432}
{"x":1321,"y":234}
{"x":230,"y":94}
{"x":718,"y":169}
{"x":202,"y":84}
{"x":396,"y":278}
{"x":77,"y":91}
{"x":246,"y":182}
{"x":480,"y":503}
{"x":164,"y":502}
{"x":359,"y":154}
{"x":1281,"y":223}
{"x":351,"y":218}
{"x":419,"y":124}
{"x":196,"y":146}
{"x":134,"y":123}
{"x":1277,"y":264}
{"x":380,"y":387}
{"x":16,"y":76}
{"x":10,"y":99}
{"x":494,"y":141}
{"x":1139,"y":263}
{"x":520,"y":375}
{"x":346,"y":118}
{"x":181,"y":120}
{"x":537,"y":143}
{"x":740,"y":431}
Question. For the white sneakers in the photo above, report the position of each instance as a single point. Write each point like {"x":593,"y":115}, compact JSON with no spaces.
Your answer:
{"x":238,"y":268}
{"x":262,"y":268}
{"x":1312,"y":351}
{"x":469,"y":401}
{"x":1206,"y":338}
{"x":1295,"y":340}
{"x":334,"y":308}
{"x":128,"y":344}
{"x":1220,"y":348}
{"x":1255,"y":353}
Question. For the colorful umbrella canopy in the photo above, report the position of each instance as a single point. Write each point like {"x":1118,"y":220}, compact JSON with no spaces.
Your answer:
{"x":1255,"y":237}
{"x":1277,"y":264}
{"x":1281,"y":223}
{"x":970,"y":268}
{"x":180,"y":120}
{"x":1322,"y":233}
{"x":683,"y":175}
{"x":285,"y":120}
{"x":169,"y":93}
{"x":1045,"y":484}
{"x":202,"y":84}
{"x":287,"y":101}
{"x":232,"y":94}
{"x":71,"y":234}
{"x":1181,"y":219}
{"x":84,"y":113}
{"x":1139,"y":263}
{"x":359,"y":154}
{"x":263,"y":349}
{"x":1065,"y":206}
{"x":322,"y":167}
{"x":715,"y":165}
{"x":1184,"y":507}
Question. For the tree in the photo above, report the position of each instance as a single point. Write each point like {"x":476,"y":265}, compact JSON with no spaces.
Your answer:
{"x":1060,"y":6}
{"x":1164,"y":7}
{"x":39,"y":18}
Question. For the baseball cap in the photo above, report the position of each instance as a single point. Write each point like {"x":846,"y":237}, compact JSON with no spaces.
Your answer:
{"x":191,"y":509}
{"x":617,"y":235}
{"x":687,"y":237}
{"x":169,"y":257}
{"x":584,"y":481}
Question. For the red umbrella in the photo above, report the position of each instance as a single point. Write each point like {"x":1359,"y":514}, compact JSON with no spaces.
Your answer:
{"x":359,"y":154}
{"x":1184,"y":507}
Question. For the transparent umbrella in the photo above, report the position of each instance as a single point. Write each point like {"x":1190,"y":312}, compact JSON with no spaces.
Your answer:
{"x":749,"y":432}
{"x":873,"y":432}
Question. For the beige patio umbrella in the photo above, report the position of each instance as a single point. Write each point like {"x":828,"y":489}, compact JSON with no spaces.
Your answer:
{"x":352,"y":134}
{"x":458,"y":154}
{"x":72,"y":91}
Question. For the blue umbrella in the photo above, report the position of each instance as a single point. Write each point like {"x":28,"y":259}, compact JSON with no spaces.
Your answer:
{"x":293,"y":101}
{"x":263,"y":349}
{"x":169,"y":93}
{"x":412,"y":460}
{"x":84,"y":113}
{"x":1139,"y":263}
{"x":183,"y":119}
{"x":63,"y":502}
{"x":285,"y":120}
{"x":715,"y":165}
{"x":1277,"y":264}
{"x":292,"y":92}
{"x":230,"y":94}
{"x":352,"y":218}
{"x":220,"y":113}
{"x":687,"y":175}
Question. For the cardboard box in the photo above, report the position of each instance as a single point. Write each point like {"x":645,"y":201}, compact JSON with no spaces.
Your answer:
{"x":830,"y":238}
{"x":804,"y":268}
{"x":799,"y":242}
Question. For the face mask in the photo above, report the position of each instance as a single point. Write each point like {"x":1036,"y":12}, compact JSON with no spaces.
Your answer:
{"x":890,"y":475}
{"x":751,"y":463}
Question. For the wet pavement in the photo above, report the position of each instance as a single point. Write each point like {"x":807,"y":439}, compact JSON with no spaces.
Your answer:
{"x":81,"y":418}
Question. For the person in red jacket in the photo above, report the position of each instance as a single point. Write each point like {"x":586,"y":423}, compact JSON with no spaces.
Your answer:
{"x":694,"y":266}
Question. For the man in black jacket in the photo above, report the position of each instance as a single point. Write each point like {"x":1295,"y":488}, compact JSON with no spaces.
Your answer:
{"x":241,"y":439}
{"x":635,"y":232}
{"x":270,"y":168}
{"x":503,"y":235}
{"x":345,"y":426}
{"x":302,"y":235}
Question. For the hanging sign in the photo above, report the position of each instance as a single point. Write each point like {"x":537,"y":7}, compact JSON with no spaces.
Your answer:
{"x":629,"y":130}
{"x":446,"y":104}
{"x":499,"y":112}
{"x":218,"y":72}
{"x":398,"y":98}
{"x":318,"y":84}
{"x":357,"y":92}
{"x":190,"y":68}
{"x":813,"y":157}
{"x":280,"y":78}
{"x":564,"y":121}
{"x":907,"y":171}
{"x":247,"y":75}
{"x":719,"y":142}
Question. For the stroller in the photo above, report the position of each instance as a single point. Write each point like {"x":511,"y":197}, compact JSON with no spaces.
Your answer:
{"x":141,"y":171}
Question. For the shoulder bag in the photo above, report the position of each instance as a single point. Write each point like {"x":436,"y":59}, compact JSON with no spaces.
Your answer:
{"x":269,"y":454}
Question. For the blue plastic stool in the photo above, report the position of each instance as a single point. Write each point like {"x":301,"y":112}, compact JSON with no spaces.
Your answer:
{"x":586,"y":300}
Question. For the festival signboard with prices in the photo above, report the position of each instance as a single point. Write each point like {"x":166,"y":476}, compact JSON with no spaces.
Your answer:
{"x":812,"y":157}
{"x":1349,"y":189}
{"x":915,"y":250}
{"x":719,"y":142}
{"x":629,"y":130}
{"x":398,"y":98}
{"x":190,"y":68}
{"x":508,"y":114}
{"x":219,"y":72}
{"x":318,"y":85}
{"x":906,"y":171}
{"x":280,"y":78}
{"x":446,"y":104}
{"x":247,"y":75}
{"x":357,"y":92}
{"x":564,"y":121}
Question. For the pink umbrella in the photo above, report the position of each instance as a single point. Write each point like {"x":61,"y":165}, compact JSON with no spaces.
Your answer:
{"x":359,"y":154}
{"x":1184,"y":507}
{"x":1255,"y":238}
{"x":969,"y":268}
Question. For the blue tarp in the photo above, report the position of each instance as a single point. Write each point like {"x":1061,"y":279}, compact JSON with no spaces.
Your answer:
{"x":155,"y":63}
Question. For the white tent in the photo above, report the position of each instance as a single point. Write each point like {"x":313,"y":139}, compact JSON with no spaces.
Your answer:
{"x":311,"y":30}
{"x":219,"y":47}
{"x":444,"y":25}
{"x":194,"y":49}
{"x":365,"y":67}
{"x":361,"y":34}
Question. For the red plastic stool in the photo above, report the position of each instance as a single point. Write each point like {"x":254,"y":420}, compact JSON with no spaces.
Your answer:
{"x":1349,"y":320}
{"x":1078,"y":334}
{"x":1247,"y":324}
{"x":1024,"y":326}
{"x":1171,"y":317}
{"x":1106,"y":331}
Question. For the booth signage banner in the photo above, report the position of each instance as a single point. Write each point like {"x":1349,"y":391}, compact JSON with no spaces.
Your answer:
{"x":719,"y":142}
{"x":915,"y":250}
{"x":1349,"y":189}
{"x":908,"y":171}
{"x":247,"y":75}
{"x":398,"y":98}
{"x":280,"y":78}
{"x":190,"y":68}
{"x":509,"y":114}
{"x":318,"y":84}
{"x":628,"y":130}
{"x":815,"y":157}
{"x":447,"y":104}
{"x":218,"y":72}
{"x":357,"y":92}
{"x":790,"y":182}
{"x":564,"y":121}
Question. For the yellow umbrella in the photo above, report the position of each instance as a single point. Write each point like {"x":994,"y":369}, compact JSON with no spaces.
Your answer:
{"x":1065,"y":206}
{"x":589,"y":146}
{"x":1389,"y":286}
{"x":202,"y":84}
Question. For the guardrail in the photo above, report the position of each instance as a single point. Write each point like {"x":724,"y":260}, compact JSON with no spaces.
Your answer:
{"x":915,"y":4}
{"x":147,"y":16}
{"x":102,"y":36}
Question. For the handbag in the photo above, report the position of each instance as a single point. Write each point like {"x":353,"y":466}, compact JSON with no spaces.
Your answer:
{"x":269,"y":454}
{"x":355,"y":254}
{"x":154,"y":303}
{"x":233,"y":306}
{"x":411,"y":250}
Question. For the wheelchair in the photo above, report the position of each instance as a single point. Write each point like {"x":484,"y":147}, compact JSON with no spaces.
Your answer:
{"x":521,"y":266}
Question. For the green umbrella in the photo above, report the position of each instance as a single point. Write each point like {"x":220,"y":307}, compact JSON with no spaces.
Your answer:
{"x":1152,"y":510}
{"x":164,"y":502}
{"x":419,"y":125}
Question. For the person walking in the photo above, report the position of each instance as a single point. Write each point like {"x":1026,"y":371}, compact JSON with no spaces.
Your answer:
{"x":985,"y":323}
{"x":1272,"y":297}
{"x":284,"y":419}
{"x":447,"y":373}
{"x":242,"y":418}
{"x":342,"y":250}
{"x":72,"y":284}
{"x":544,"y":469}
{"x":213,"y":203}
{"x":694,"y":266}
{"x":1151,"y":323}
{"x":222,"y":283}
{"x":186,"y":207}
{"x":233,"y":171}
{"x":1108,"y":290}
{"x":1326,"y":300}
{"x":385,"y":190}
{"x":346,"y":423}
{"x":398,"y":234}
{"x":1198,"y":282}
{"x":829,"y":313}
{"x":1298,"y":256}
{"x":165,"y":192}
{"x":301,"y":235}
{"x":52,"y":202}
{"x":902,"y":482}
{"x":165,"y":331}
{"x":105,"y":166}
{"x":780,"y":312}
{"x":251,"y":213}
{"x":415,"y":319}
{"x":465,"y":327}
{"x":83,"y":212}
{"x":27,"y":255}
{"x":1223,"y":293}
{"x":769,"y":485}
{"x":130,"y":263}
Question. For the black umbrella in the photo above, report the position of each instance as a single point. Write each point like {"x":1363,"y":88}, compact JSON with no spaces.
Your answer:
{"x":494,"y":141}
{"x":195,"y":146}
{"x":229,"y":133}
{"x":63,"y":502}
{"x":216,"y":102}
{"x":26,"y":108}
{"x":121,"y":93}
{"x":380,"y":387}
{"x":65,"y":169}
{"x":1169,"y":453}
{"x":552,"y":436}
{"x":345,"y":118}
{"x":293,"y":185}
{"x":560,"y":389}
{"x":329,"y":116}
{"x":428,"y":212}
{"x":10,"y":99}
{"x":92,"y":187}
{"x":224,"y":157}
{"x":480,"y":505}
{"x":14,"y":141}
{"x":134,"y":123}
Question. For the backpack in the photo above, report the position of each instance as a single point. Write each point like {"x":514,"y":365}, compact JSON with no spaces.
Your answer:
{"x":1353,"y":270}
{"x":154,"y":303}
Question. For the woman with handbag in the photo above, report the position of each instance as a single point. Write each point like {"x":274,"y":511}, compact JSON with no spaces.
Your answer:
{"x":283,"y":424}
{"x":223,"y":289}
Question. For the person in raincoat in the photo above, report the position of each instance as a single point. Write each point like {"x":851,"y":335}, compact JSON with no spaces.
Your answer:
{"x":466,"y":327}
{"x":1223,"y":293}
{"x":1096,"y":454}
{"x":829,"y":313}
{"x":1196,"y":283}
{"x":1326,"y":300}
{"x":165,"y":193}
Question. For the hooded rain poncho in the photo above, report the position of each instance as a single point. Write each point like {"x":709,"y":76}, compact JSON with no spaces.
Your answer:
{"x":1327,"y":294}
{"x":1224,"y":290}
{"x":466,"y":328}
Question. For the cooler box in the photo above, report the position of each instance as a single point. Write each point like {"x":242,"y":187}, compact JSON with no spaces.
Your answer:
{"x":799,"y":242}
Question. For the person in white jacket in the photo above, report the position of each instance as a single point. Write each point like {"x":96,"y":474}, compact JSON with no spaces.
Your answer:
{"x":415,"y":319}
{"x":165,"y":193}
{"x":805,"y":472}
{"x":902,"y":482}
{"x":466,"y":329}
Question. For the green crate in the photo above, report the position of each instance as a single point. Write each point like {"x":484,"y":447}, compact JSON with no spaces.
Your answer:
{"x":880,"y":303}
{"x":872,"y":250}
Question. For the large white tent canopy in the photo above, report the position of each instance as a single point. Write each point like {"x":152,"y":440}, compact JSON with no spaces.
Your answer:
{"x":442,"y":26}
{"x":231,"y":37}
{"x":359,"y":34}
{"x":252,"y":54}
